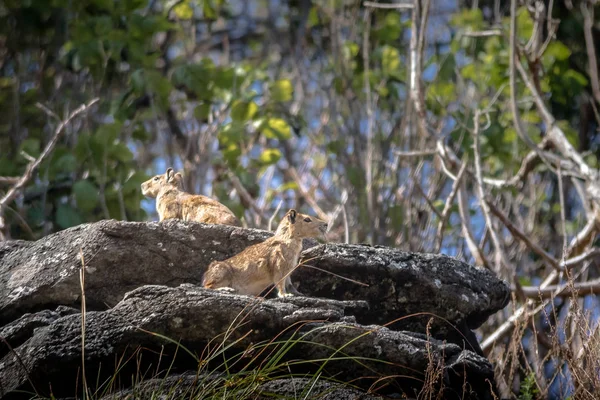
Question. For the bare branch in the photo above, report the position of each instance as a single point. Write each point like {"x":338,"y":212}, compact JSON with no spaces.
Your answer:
{"x":416,"y":44}
{"x":515,"y":231}
{"x":465,"y":222}
{"x":416,"y":153}
{"x":500,"y":256}
{"x":399,"y":6}
{"x":513,"y":85}
{"x":370,"y":121}
{"x":235,"y":181}
{"x":581,"y":239}
{"x":427,"y":199}
{"x":588,"y":18}
{"x":293,"y":174}
{"x":574,"y":261}
{"x":439,"y":237}
{"x":555,"y":133}
{"x":274,"y":214}
{"x":578,"y":289}
{"x":488,"y":33}
{"x":8,"y":180}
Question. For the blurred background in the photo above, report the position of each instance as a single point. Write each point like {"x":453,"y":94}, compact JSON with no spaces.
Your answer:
{"x":404,"y":124}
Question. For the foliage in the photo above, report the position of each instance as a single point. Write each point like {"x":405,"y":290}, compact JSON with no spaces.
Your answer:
{"x":311,"y":105}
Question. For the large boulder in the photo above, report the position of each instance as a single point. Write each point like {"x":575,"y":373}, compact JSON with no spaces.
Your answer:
{"x":305,"y":328}
{"x":194,"y":386}
{"x":375,"y":302}
{"x":121,"y":256}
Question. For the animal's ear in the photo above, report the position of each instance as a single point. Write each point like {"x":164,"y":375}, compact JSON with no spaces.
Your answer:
{"x":292,"y":215}
{"x":175,"y":177}
{"x":169,"y":173}
{"x":178,"y":179}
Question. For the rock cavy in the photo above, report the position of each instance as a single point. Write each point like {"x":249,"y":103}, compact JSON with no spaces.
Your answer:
{"x":173,"y":202}
{"x":270,"y":262}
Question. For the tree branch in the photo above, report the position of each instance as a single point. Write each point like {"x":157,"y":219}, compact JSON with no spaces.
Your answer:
{"x":399,"y":6}
{"x":578,"y":289}
{"x":521,"y":235}
{"x":588,"y":18}
{"x":439,"y":237}
{"x":500,"y":256}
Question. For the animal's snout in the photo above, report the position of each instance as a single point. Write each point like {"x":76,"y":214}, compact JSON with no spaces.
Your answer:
{"x":323,"y":227}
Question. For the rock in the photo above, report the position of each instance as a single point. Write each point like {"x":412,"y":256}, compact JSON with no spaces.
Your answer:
{"x":17,"y":332}
{"x":195,"y":317}
{"x":406,"y":288}
{"x":305,"y":388}
{"x":404,"y":315}
{"x":121,"y":256}
{"x":190,"y":385}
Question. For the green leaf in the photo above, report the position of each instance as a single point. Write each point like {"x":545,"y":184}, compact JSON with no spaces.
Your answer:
{"x":525,"y":281}
{"x":575,"y":78}
{"x":391,"y":29}
{"x":86,"y":195}
{"x":202,"y":111}
{"x":531,"y":117}
{"x":231,"y":153}
{"x":469,"y":72}
{"x":67,"y":217}
{"x":132,"y":185}
{"x":231,"y":134}
{"x":36,"y":215}
{"x":243,"y":111}
{"x":470,"y":19}
{"x":108,"y":133}
{"x":336,"y":146}
{"x":447,"y":66}
{"x":356,"y":176}
{"x":225,"y":78}
{"x":121,"y":152}
{"x":524,"y":23}
{"x":282,"y":90}
{"x":390,"y":60}
{"x":558,"y":51}
{"x":138,"y":81}
{"x":209,"y":10}
{"x":107,"y":5}
{"x":288,"y":186}
{"x":276,"y":128}
{"x":313,"y":17}
{"x":140,"y":133}
{"x":31,"y":146}
{"x":510,"y":135}
{"x":64,"y":163}
{"x":183,"y":10}
{"x":350,"y":50}
{"x":269,"y":157}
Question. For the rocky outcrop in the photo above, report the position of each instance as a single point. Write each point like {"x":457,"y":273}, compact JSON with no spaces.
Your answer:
{"x":191,"y":385}
{"x":401,"y":322}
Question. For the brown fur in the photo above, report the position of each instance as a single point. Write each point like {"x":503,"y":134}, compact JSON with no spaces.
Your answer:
{"x":173,"y":202}
{"x":270,"y":262}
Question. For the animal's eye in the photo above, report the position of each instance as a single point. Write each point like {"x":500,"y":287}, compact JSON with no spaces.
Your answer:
{"x":156,"y":178}
{"x":307,"y":219}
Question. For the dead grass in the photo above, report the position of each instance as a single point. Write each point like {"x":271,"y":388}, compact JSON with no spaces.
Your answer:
{"x":554,"y":353}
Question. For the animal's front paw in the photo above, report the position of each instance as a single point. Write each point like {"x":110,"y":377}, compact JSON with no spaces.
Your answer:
{"x":226,"y":289}
{"x":294,"y":291}
{"x":282,"y":295}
